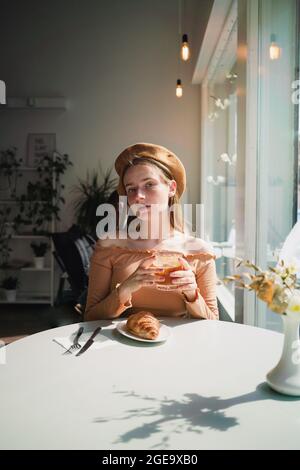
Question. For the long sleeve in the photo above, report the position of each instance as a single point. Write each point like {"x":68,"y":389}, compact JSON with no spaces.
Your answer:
{"x":102,"y":303}
{"x":112,"y":264}
{"x":205,"y":306}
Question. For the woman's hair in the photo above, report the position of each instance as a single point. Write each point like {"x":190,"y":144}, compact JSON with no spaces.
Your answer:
{"x":176,"y":217}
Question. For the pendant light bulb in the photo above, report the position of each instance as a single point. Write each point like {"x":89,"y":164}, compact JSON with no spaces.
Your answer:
{"x":179,"y":89}
{"x":185,"y":48}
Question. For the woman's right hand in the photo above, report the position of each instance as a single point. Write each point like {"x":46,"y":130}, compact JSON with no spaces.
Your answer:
{"x":144,"y":276}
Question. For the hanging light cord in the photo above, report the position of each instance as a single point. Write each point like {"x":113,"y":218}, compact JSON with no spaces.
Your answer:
{"x":180,"y":18}
{"x":179,"y":34}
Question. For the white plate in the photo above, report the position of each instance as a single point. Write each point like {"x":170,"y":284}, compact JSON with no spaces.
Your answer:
{"x":164,"y":333}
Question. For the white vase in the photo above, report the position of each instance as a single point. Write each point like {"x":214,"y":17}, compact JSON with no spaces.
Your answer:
{"x":39,"y":262}
{"x":285,"y":377}
{"x":11,"y":295}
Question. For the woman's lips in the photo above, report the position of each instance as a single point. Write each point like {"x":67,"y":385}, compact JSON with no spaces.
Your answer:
{"x":144,"y":208}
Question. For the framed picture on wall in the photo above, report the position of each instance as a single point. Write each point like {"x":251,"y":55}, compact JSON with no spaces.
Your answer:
{"x":39,"y":146}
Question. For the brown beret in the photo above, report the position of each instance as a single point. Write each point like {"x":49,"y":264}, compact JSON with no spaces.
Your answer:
{"x":154,"y":152}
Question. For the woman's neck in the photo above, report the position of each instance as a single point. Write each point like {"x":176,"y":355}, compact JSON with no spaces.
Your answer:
{"x":157,"y":229}
{"x":161,"y":242}
{"x":154,"y":233}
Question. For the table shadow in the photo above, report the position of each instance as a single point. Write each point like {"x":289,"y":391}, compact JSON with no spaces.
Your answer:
{"x":193,"y":413}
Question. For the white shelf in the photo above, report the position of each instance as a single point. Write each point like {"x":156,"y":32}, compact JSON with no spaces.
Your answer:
{"x":28,"y":236}
{"x":22,"y":267}
{"x":13,"y":267}
{"x":12,"y":201}
{"x":29,"y":298}
{"x":27,"y":301}
{"x":32,"y":103}
{"x":32,"y":268}
{"x":27,"y":168}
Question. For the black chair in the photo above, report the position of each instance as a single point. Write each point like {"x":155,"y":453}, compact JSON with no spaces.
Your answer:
{"x":78,"y":277}
{"x":73,"y":250}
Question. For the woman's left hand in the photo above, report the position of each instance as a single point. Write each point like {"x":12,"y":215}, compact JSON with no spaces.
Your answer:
{"x":183,"y":280}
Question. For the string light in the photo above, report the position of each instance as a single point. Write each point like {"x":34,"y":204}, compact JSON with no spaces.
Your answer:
{"x":185,"y":51}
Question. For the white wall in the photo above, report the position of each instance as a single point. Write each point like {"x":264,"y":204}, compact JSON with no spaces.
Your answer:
{"x":116,"y":62}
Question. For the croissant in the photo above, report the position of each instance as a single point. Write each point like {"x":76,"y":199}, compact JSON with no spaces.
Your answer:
{"x":143,"y":324}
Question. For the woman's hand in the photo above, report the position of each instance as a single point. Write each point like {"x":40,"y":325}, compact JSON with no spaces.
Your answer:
{"x":183,"y":281}
{"x":144,"y":276}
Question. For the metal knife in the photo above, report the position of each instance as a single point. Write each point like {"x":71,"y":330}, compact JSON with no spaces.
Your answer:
{"x":89,"y":341}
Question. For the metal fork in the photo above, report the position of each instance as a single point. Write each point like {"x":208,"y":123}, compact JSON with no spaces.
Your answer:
{"x":75,"y":344}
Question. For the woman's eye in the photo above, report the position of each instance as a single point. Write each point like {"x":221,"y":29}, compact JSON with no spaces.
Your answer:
{"x":149,"y":185}
{"x":130,"y":190}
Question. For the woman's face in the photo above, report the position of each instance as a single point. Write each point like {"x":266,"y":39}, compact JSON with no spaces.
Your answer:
{"x":146,"y":186}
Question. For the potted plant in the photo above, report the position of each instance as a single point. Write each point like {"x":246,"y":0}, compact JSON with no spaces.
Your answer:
{"x":9,"y":171}
{"x":92,"y":192}
{"x":10,"y":284}
{"x":40,"y":204}
{"x":39,"y":250}
{"x":4,"y":239}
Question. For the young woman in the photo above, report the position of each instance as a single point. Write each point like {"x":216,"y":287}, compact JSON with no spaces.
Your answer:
{"x":123,"y":277}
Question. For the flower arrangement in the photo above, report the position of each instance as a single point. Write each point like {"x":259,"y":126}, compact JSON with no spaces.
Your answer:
{"x":277,"y":286}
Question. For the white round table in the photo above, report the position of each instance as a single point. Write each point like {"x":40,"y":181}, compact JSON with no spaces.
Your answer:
{"x":204,"y":388}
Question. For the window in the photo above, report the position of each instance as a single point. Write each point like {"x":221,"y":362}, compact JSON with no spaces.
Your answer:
{"x":275,"y":120}
{"x":219,"y":140}
{"x":250,"y":173}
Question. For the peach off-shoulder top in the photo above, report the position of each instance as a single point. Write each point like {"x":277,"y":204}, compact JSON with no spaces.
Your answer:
{"x":112,"y":263}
